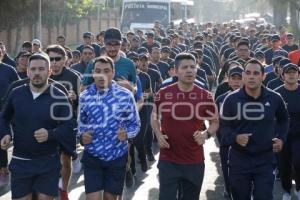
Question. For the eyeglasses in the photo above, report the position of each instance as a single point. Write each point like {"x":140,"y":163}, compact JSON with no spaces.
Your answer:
{"x":55,"y":58}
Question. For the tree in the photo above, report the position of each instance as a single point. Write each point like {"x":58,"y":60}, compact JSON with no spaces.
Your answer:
{"x":17,"y":13}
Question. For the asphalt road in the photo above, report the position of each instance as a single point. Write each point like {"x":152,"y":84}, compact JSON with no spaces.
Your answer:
{"x":146,"y":184}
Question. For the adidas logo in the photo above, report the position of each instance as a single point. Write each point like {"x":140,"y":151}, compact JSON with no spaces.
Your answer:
{"x":267,"y":104}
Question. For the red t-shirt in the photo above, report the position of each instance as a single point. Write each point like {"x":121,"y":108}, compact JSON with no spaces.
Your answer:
{"x":294,"y":56}
{"x":183,"y":113}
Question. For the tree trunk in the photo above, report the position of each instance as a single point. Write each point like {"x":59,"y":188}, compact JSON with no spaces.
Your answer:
{"x":89,"y":23}
{"x":279,"y":12}
{"x":9,"y":30}
{"x":65,"y":29}
{"x":58,"y":27}
{"x":18,"y":37}
{"x":295,"y":17}
{"x":49,"y":34}
{"x":78,"y":30}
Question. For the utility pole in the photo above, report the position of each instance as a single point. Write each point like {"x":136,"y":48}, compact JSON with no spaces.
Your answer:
{"x":40,"y":22}
{"x":99,"y":4}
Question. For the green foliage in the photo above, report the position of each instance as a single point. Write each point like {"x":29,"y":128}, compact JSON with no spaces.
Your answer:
{"x":16,"y":12}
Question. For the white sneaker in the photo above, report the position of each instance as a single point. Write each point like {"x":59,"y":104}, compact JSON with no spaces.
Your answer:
{"x":76,"y":165}
{"x":297,"y":194}
{"x":286,"y":196}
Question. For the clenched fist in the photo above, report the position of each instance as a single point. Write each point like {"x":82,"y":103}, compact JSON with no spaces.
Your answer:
{"x":200,"y":137}
{"x":5,"y":141}
{"x":41,"y":135}
{"x":243,"y":139}
{"x":122,"y":135}
{"x":87,"y":137}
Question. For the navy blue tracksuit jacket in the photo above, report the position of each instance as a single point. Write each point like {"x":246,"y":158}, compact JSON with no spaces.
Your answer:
{"x":50,"y":110}
{"x":267,"y":118}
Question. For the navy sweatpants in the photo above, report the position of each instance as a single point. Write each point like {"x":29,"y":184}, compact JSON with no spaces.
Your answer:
{"x":289,"y":159}
{"x":138,"y":141}
{"x":224,"y":163}
{"x":251,"y":175}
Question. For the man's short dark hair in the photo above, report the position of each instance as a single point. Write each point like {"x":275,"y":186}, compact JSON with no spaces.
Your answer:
{"x":243,"y":43}
{"x":61,"y":37}
{"x":104,"y":59}
{"x":56,"y":49}
{"x":199,"y":52}
{"x":154,"y":48}
{"x":183,"y":56}
{"x":40,"y":56}
{"x":100,"y":34}
{"x":165,"y":41}
{"x":197,"y":45}
{"x":255,"y":61}
{"x":26,"y":44}
{"x":69,"y":54}
{"x":88,"y":47}
{"x":194,"y":53}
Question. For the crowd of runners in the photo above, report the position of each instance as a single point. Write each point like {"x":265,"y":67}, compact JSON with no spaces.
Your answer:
{"x":117,"y":93}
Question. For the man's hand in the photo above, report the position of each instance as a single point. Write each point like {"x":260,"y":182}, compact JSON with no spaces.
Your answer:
{"x":122,"y":135}
{"x":277,"y":145}
{"x":243,"y":139}
{"x":200,"y":137}
{"x":41,"y":135}
{"x":5,"y":141}
{"x":87,"y":137}
{"x":126,"y":84}
{"x":162,"y":141}
{"x":147,"y":95}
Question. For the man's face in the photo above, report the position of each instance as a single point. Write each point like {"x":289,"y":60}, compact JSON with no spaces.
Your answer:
{"x":235,"y":81}
{"x":125,"y":46}
{"x":1,"y":54}
{"x":276,"y":44}
{"x":103,"y":75}
{"x":61,"y":41}
{"x":129,"y":37}
{"x":135,"y":44}
{"x":100,"y":39}
{"x":290,"y":40}
{"x":29,"y":49}
{"x":291,"y":76}
{"x":186,"y":71}
{"x":75,"y":59}
{"x":87,"y":55}
{"x":165,"y":55}
{"x":135,"y":61}
{"x":277,"y":69}
{"x":252,"y":33}
{"x":38,"y":73}
{"x":253,"y":76}
{"x":143,"y":64}
{"x":200,"y":59}
{"x":112,"y":48}
{"x":23,"y":60}
{"x":35,"y":48}
{"x":172,"y":72}
{"x":150,"y":40}
{"x":87,"y":40}
{"x":155,"y":55}
{"x":3,"y":49}
{"x":57,"y":62}
{"x":243,"y":52}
